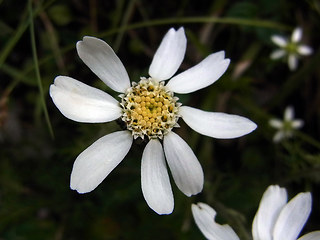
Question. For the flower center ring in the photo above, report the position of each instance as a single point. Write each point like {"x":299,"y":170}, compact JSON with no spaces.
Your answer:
{"x":149,"y":109}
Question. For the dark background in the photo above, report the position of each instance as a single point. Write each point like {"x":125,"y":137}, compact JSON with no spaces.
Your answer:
{"x":35,"y":165}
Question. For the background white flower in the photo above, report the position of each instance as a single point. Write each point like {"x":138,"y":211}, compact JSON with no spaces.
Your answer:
{"x":275,"y":219}
{"x":290,"y":48}
{"x":286,"y":126}
{"x":204,"y":216}
{"x":150,"y":110}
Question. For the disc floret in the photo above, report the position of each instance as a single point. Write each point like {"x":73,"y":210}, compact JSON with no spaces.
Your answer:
{"x":149,"y":109}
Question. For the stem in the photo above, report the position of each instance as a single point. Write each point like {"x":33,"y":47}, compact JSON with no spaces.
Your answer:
{"x":37,"y":71}
{"x":169,"y":21}
{"x":308,"y":139}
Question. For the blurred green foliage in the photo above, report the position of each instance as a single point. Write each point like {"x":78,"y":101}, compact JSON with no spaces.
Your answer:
{"x":35,"y":199}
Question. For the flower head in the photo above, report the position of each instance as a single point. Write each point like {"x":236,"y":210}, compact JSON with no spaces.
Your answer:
{"x":286,"y":126}
{"x":275,"y":219}
{"x":150,"y":111}
{"x":290,"y":48}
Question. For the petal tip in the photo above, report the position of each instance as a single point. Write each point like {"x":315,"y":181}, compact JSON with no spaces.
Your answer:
{"x":196,"y":190}
{"x":181,"y":30}
{"x":221,"y":54}
{"x":58,"y":79}
{"x":254,"y":126}
{"x":164,"y":211}
{"x":226,"y":63}
{"x":75,"y":187}
{"x":80,"y":186}
{"x":84,"y":40}
{"x":78,"y":190}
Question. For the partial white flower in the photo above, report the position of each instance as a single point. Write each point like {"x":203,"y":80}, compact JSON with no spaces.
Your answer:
{"x":287,"y":126}
{"x":275,"y":219}
{"x":291,"y":48}
{"x":150,"y":111}
{"x":204,"y":216}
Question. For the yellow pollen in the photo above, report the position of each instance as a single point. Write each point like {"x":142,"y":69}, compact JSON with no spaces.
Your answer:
{"x":135,"y":115}
{"x":138,"y":99}
{"x":149,"y":109}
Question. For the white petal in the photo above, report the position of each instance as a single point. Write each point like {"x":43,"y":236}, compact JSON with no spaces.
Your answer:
{"x":279,"y":53}
{"x":278,"y":136}
{"x":200,"y":76}
{"x":272,"y":202}
{"x":276,"y":123}
{"x":304,"y":50}
{"x":279,"y":40}
{"x":288,"y":113}
{"x":293,"y":217}
{"x":102,"y":60}
{"x":82,"y":103}
{"x":296,"y":35}
{"x":292,"y":62}
{"x":204,"y":216}
{"x":296,"y":124}
{"x":217,"y":125}
{"x":169,"y":55}
{"x":155,"y":183}
{"x":184,"y":165}
{"x":94,"y":164}
{"x":311,"y":236}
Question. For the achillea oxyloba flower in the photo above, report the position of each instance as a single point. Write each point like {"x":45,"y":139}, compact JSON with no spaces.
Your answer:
{"x":149,"y":110}
{"x":275,"y":219}
{"x":290,"y":48}
{"x":286,"y":126}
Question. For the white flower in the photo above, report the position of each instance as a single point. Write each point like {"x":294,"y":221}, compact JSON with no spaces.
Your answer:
{"x":290,"y":48}
{"x":286,"y":126}
{"x":148,"y":109}
{"x":204,"y":216}
{"x":275,"y":219}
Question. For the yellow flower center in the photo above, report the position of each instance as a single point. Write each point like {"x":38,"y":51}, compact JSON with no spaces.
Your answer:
{"x":291,"y":47}
{"x":149,"y":109}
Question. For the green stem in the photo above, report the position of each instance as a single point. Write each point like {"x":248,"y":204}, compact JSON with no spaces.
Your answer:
{"x":124,"y":23}
{"x":13,"y":41}
{"x":16,"y":74}
{"x":155,"y":22}
{"x":18,"y":33}
{"x":168,"y":21}
{"x":185,"y":20}
{"x":308,"y":139}
{"x":37,"y":71}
